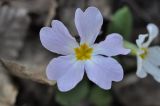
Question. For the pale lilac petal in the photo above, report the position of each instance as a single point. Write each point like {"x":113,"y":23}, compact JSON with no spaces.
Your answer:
{"x":66,"y":71}
{"x":58,"y":39}
{"x":157,"y":78}
{"x":154,"y":55}
{"x":88,"y":24}
{"x":59,"y":66}
{"x":111,"y":46}
{"x":103,"y":70}
{"x":140,"y":70}
{"x":152,"y":70}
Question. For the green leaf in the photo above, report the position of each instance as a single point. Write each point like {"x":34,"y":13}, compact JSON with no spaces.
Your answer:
{"x":100,"y":97}
{"x":74,"y":96}
{"x":121,"y":22}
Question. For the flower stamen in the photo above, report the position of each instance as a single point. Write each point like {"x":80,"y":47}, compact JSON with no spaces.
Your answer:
{"x":144,"y":54}
{"x":84,"y":52}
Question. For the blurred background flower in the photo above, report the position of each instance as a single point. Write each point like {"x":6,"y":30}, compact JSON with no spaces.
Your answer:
{"x":148,"y":60}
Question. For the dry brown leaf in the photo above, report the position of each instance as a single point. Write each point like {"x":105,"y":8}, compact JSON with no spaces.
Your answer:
{"x":36,"y":73}
{"x":34,"y":6}
{"x":43,"y":11}
{"x":13,"y":29}
{"x":8,"y":91}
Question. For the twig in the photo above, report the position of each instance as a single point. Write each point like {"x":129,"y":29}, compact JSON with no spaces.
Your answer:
{"x":51,"y":13}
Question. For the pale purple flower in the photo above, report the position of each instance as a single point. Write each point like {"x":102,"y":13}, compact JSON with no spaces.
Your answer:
{"x":94,"y":59}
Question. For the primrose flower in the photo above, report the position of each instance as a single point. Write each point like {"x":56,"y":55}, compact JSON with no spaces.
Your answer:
{"x":148,"y":58}
{"x":94,"y":59}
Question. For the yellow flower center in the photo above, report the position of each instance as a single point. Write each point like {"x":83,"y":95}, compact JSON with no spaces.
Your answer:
{"x":145,"y":50}
{"x":84,"y":52}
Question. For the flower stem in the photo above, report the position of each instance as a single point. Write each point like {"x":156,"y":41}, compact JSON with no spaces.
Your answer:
{"x":131,"y":46}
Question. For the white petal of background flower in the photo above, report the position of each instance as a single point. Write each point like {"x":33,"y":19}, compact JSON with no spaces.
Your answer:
{"x":102,"y":71}
{"x":152,"y":69}
{"x":154,"y":55}
{"x":141,"y":39}
{"x":111,"y":46}
{"x":140,"y":70}
{"x":88,"y":24}
{"x":152,"y":30}
{"x":66,"y":71}
{"x":153,"y":33}
{"x":150,"y":64}
{"x":58,"y":39}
